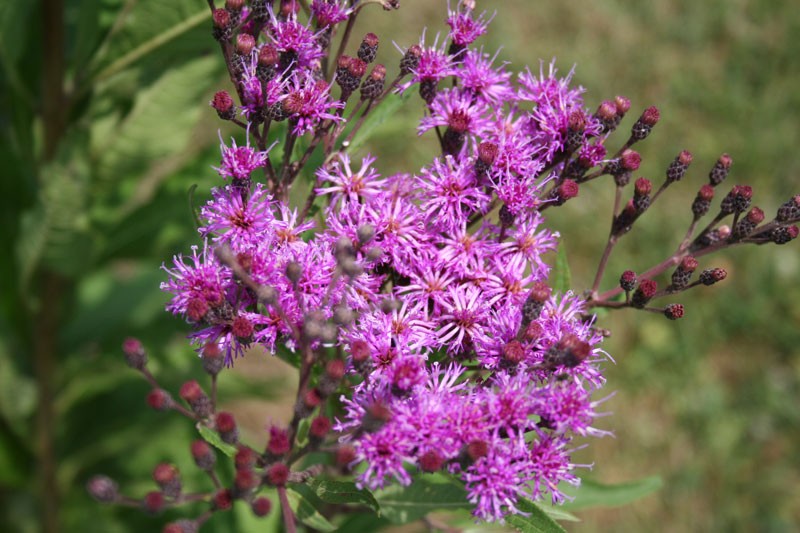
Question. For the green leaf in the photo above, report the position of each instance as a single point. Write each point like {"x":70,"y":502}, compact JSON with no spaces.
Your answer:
{"x":594,"y":494}
{"x":560,"y":276}
{"x":304,"y":503}
{"x":401,"y":505}
{"x":141,"y":29}
{"x":536,"y":521}
{"x":213,"y":438}
{"x":377,"y":116}
{"x":343,"y":492}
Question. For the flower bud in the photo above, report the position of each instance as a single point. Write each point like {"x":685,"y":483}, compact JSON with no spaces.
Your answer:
{"x":103,"y":489}
{"x":368,"y":50}
{"x":720,"y":170}
{"x":134,"y":352}
{"x":223,"y":500}
{"x":702,"y":203}
{"x":534,"y":303}
{"x":642,"y":128}
{"x":789,"y":211}
{"x":746,"y":226}
{"x":673,"y":311}
{"x":261,"y":506}
{"x":168,"y":479}
{"x":194,"y":395}
{"x":373,"y":85}
{"x":628,"y":280}
{"x":277,"y":475}
{"x":683,"y":274}
{"x":203,"y":455}
{"x":677,"y":169}
{"x":320,"y":427}
{"x":160,"y":400}
{"x":711,"y":276}
{"x":222,"y":25}
{"x":410,"y":60}
{"x":181,"y":526}
{"x":569,"y":351}
{"x":213,"y":359}
{"x":153,"y":502}
{"x":513,"y":353}
{"x":783,"y":234}
{"x":431,"y":461}
{"x":641,"y":194}
{"x":278,"y":441}
{"x":245,"y":458}
{"x":644,"y":293}
{"x":226,"y":427}
{"x":345,"y":455}
{"x":245,"y":44}
{"x":243,"y":482}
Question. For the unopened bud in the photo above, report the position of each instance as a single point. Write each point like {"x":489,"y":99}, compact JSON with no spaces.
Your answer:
{"x":261,"y":506}
{"x":223,"y":105}
{"x":369,"y":48}
{"x":644,"y":293}
{"x":134,"y":352}
{"x":159,"y":399}
{"x":203,"y":455}
{"x":226,"y":427}
{"x":431,"y":461}
{"x":410,"y":60}
{"x":628,"y":280}
{"x":168,"y":480}
{"x":677,"y":169}
{"x":642,"y":128}
{"x":711,"y":276}
{"x":277,"y":475}
{"x":720,"y":170}
{"x":673,"y":311}
{"x":103,"y":489}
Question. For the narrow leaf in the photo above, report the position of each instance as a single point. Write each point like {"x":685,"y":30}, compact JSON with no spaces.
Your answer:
{"x":401,"y":505}
{"x":377,"y":116}
{"x":560,"y":276}
{"x":343,"y":492}
{"x":213,"y":438}
{"x":535,"y":520}
{"x":594,"y":494}
{"x":304,"y":503}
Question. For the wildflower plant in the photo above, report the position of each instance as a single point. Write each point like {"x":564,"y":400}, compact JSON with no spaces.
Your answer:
{"x":439,"y":346}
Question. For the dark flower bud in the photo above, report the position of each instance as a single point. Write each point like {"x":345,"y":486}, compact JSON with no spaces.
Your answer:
{"x":487,"y":152}
{"x":134,"y":352}
{"x":746,"y":226}
{"x":345,"y":455}
{"x":277,"y":475}
{"x":197,"y":309}
{"x":103,"y":489}
{"x":268,"y":58}
{"x":153,"y":502}
{"x":642,"y":128}
{"x":279,"y":443}
{"x":223,"y":105}
{"x":294,"y":271}
{"x":343,"y":315}
{"x":720,"y":170}
{"x":374,"y":253}
{"x":431,"y":461}
{"x":702,"y":202}
{"x":621,"y":169}
{"x":506,"y":216}
{"x":428,"y":89}
{"x":194,"y":395}
{"x":376,"y":416}
{"x":576,"y":125}
{"x":261,"y":506}
{"x":267,"y":295}
{"x":783,"y":234}
{"x":223,"y":500}
{"x":312,"y":399}
{"x":677,"y":169}
{"x":477,"y":449}
{"x":203,"y":455}
{"x":644,"y":293}
{"x":569,"y":351}
{"x":683,"y":274}
{"x":607,"y":115}
{"x":568,"y":189}
{"x":360,"y":355}
{"x":320,"y":427}
{"x":222,"y":25}
{"x":168,"y":479}
{"x":369,"y":48}
{"x":628,"y":280}
{"x":245,"y":458}
{"x":533,"y":332}
{"x":738,"y":200}
{"x":159,"y":399}
{"x":335,"y":369}
{"x":789,"y":211}
{"x":245,"y":44}
{"x":630,"y":160}
{"x":641,"y":194}
{"x":226,"y":427}
{"x":673,"y":311}
{"x":234,"y":5}
{"x":181,"y":526}
{"x":535,"y":301}
{"x":373,"y":85}
{"x":623,"y":105}
{"x":410,"y":60}
{"x":513,"y":353}
{"x":711,"y":276}
{"x":213,"y":359}
{"x":365,"y":232}
{"x":242,"y":327}
{"x":243,"y":482}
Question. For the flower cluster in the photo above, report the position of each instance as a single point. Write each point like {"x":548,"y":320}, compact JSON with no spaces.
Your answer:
{"x":427,"y":293}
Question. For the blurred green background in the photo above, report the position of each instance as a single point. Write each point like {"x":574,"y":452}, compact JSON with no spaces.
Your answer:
{"x":101,"y":143}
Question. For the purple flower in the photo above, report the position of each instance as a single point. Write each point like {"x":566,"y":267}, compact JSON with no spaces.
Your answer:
{"x":480,"y":78}
{"x":464,"y":29}
{"x":346,"y":186}
{"x":297,"y":43}
{"x":237,"y":218}
{"x":308,"y":101}
{"x":458,"y":111}
{"x":449,"y":193}
{"x":329,"y":13}
{"x":238,"y":162}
